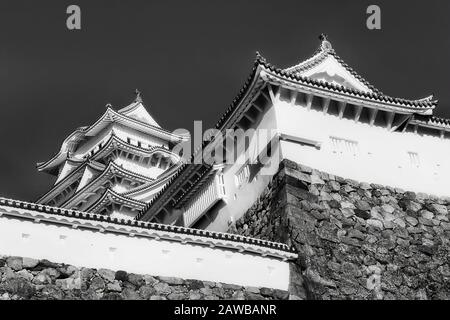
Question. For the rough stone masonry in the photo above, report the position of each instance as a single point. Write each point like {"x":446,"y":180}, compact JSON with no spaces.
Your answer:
{"x":25,"y":278}
{"x":354,"y":240}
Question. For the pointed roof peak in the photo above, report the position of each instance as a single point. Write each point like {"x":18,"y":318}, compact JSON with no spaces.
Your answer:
{"x":325,"y":43}
{"x":137,"y":110}
{"x":138,"y":97}
{"x":327,"y":66}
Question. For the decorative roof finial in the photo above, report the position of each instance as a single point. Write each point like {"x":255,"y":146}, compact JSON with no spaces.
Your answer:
{"x":138,"y":96}
{"x":326,"y":45}
{"x":108,"y":105}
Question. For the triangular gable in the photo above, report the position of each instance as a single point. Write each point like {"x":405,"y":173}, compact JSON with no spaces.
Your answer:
{"x":137,"y":111}
{"x":331,"y":70}
{"x":326,"y":66}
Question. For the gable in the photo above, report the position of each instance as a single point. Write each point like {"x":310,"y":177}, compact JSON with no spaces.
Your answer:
{"x":332,"y":71}
{"x":138,"y":112}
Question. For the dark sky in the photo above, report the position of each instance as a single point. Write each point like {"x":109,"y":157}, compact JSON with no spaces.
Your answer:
{"x":189,"y":59}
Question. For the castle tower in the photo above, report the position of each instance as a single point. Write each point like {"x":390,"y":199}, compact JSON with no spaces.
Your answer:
{"x":114,"y":166}
{"x":319,"y":113}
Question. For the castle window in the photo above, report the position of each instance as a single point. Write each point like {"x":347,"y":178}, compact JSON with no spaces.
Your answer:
{"x":221,"y":184}
{"x":414,"y":159}
{"x":344,"y":146}
{"x":241,"y":177}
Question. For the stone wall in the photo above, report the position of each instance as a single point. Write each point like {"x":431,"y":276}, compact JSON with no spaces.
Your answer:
{"x":25,"y":278}
{"x":355,"y":240}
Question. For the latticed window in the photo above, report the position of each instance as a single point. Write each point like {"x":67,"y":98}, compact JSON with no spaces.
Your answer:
{"x":344,"y":146}
{"x":221,"y":184}
{"x":242,"y":176}
{"x":414,"y":159}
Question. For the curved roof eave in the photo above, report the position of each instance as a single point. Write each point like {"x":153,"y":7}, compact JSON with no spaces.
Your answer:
{"x":110,"y":196}
{"x":112,"y":168}
{"x":120,"y":142}
{"x":162,"y":179}
{"x":88,"y":163}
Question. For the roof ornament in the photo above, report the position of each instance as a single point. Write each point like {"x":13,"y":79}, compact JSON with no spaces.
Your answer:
{"x":108,"y":105}
{"x":326,"y":45}
{"x":138,"y":96}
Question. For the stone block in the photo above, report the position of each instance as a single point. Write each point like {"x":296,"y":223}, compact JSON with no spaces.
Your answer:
{"x":29,"y":263}
{"x":375,"y":223}
{"x":15,"y":263}
{"x":107,"y":274}
{"x":171,"y":280}
{"x":136,"y":279}
{"x":114,"y":286}
{"x":121,"y":275}
{"x":411,"y":220}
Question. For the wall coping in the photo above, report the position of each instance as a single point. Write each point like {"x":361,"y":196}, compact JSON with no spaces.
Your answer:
{"x":100,"y":223}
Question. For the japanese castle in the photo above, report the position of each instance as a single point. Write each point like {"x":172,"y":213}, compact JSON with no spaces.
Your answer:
{"x":114,"y":166}
{"x":123,"y":188}
{"x":321,"y":113}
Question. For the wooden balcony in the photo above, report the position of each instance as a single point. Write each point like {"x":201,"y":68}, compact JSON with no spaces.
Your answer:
{"x":211,"y":193}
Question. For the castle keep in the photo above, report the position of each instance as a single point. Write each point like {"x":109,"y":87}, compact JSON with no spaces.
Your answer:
{"x":318,"y":207}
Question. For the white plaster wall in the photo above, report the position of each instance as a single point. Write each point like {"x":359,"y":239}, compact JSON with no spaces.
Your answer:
{"x":240,"y":199}
{"x":139,"y":255}
{"x":382,"y":157}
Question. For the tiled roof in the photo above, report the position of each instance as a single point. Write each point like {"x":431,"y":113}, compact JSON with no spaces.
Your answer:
{"x":62,"y":182}
{"x":321,"y":54}
{"x":377,"y":97}
{"x":111,"y":169}
{"x":110,"y":196}
{"x":160,"y":179}
{"x":432,"y":121}
{"x":116,"y":141}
